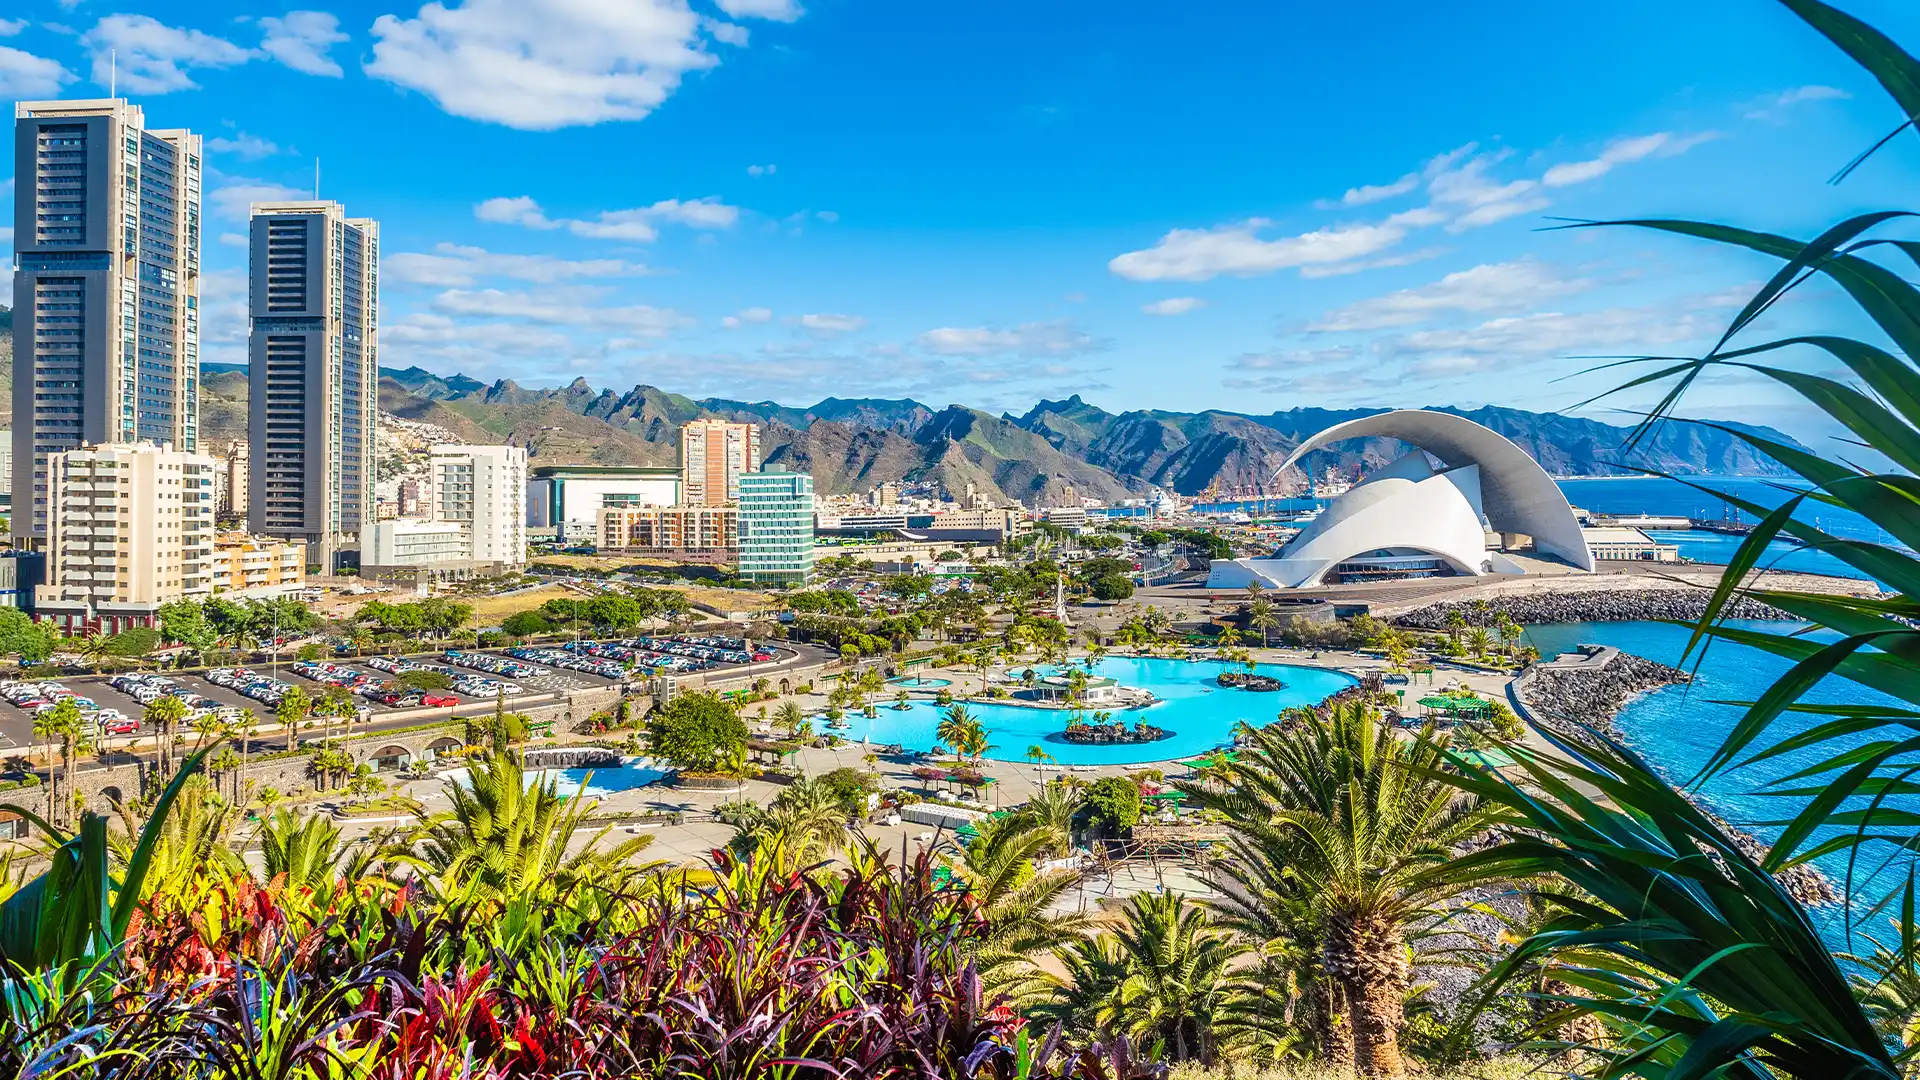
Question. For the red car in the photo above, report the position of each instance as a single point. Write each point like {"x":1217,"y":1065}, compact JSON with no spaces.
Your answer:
{"x":121,"y":727}
{"x":439,"y":701}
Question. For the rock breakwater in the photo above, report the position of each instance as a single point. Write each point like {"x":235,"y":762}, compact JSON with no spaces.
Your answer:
{"x":1572,"y":697}
{"x":1623,"y":605}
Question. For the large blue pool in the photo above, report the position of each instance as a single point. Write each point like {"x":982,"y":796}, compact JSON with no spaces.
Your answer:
{"x":633,"y":772}
{"x":1198,"y":714}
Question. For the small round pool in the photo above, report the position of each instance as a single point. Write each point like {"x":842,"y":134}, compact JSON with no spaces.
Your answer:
{"x":914,"y":682}
{"x":1198,"y":714}
{"x":633,"y":772}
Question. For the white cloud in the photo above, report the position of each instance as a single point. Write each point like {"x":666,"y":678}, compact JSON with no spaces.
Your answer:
{"x":828,"y":216}
{"x":1621,"y":152}
{"x":1057,"y":338}
{"x":1772,"y":106}
{"x":543,"y":64}
{"x":1491,"y":287}
{"x":250,"y":147}
{"x":302,"y":39}
{"x":777,"y":10}
{"x":568,"y":305}
{"x":635,"y":225}
{"x":24,"y":75}
{"x":1373,"y":193}
{"x":518,"y":210}
{"x":746,"y":317}
{"x":1384,"y":261}
{"x":152,"y":57}
{"x":1200,"y":254}
{"x":231,"y":200}
{"x":1547,"y":334}
{"x":831,"y":325}
{"x":762,"y":170}
{"x":10,"y":27}
{"x":1176,"y":305}
{"x":454,"y":265}
{"x":223,"y":317}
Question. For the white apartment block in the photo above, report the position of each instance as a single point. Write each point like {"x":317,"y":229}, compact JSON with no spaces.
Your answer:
{"x":485,"y":489}
{"x":129,"y":527}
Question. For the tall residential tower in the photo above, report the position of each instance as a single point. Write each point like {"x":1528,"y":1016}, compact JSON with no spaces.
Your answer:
{"x":713,"y":456}
{"x":106,"y":325}
{"x":312,"y":375}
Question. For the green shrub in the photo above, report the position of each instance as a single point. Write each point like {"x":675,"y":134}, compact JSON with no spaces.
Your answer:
{"x":1112,"y":805}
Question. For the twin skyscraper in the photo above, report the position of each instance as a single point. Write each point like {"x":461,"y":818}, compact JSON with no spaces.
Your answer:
{"x":107,"y":333}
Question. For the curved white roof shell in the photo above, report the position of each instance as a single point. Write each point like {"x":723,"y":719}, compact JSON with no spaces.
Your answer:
{"x":1516,"y":494}
{"x":1410,"y":514}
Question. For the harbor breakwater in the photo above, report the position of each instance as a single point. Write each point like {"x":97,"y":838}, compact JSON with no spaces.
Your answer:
{"x":1623,"y":605}
{"x":1583,"y":692}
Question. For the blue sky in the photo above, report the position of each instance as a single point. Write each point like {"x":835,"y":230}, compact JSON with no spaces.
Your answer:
{"x":1248,"y":206}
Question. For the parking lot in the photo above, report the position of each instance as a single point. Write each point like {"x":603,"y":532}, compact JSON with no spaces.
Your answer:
{"x":118,"y":703}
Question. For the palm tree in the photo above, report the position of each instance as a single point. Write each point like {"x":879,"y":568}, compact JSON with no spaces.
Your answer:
{"x":305,"y":851}
{"x":1038,"y":755}
{"x":952,"y":726}
{"x":62,"y":724}
{"x":807,"y":822}
{"x":790,"y":717}
{"x":1228,"y":637}
{"x":1456,"y":622}
{"x":163,"y":713}
{"x":1014,"y":900}
{"x":1052,"y":810}
{"x":1356,"y":816}
{"x":507,"y":838}
{"x":1177,"y":979}
{"x":1261,"y":617}
{"x":292,"y":711}
{"x":1479,"y":641}
{"x":192,"y":839}
{"x":226,"y":763}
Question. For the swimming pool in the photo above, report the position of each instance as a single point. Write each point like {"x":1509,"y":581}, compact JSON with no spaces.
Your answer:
{"x":633,"y":772}
{"x":914,"y":681}
{"x":1198,"y":714}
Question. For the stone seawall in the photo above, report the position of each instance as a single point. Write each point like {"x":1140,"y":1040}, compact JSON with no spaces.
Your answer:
{"x":1627,"y":605}
{"x":1575,"y":695}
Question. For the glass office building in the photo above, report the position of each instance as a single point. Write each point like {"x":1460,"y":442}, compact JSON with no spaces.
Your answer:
{"x":776,"y":528}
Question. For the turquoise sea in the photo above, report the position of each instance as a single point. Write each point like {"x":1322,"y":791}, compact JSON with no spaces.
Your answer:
{"x":1678,"y":728}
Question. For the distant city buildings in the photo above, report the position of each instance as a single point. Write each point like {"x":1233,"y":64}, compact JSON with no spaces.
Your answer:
{"x":473,"y":526}
{"x":312,"y":374}
{"x":412,"y":498}
{"x":131,"y":528}
{"x":106,"y":331}
{"x":564,"y":501}
{"x":701,"y":534}
{"x":714,"y":455}
{"x":484,"y":488}
{"x":237,"y":480}
{"x":776,"y":527}
{"x":6,"y":467}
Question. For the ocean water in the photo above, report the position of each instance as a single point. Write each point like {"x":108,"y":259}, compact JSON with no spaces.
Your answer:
{"x":1678,"y":728}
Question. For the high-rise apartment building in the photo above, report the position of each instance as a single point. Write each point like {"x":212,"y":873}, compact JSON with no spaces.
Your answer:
{"x":237,"y":466}
{"x":485,"y":489}
{"x":776,"y":528}
{"x":129,"y":528}
{"x":106,"y":331}
{"x":312,"y":374}
{"x":714,"y":454}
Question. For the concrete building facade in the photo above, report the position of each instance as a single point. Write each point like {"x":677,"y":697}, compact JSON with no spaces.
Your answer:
{"x":484,"y":488}
{"x":559,"y":495}
{"x":237,"y":480}
{"x":708,"y":534}
{"x":106,"y":332}
{"x":312,"y":374}
{"x":131,"y":527}
{"x":776,"y":528}
{"x":714,"y":455}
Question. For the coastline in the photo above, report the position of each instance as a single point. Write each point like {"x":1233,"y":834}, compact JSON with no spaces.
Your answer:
{"x":1579,"y":692}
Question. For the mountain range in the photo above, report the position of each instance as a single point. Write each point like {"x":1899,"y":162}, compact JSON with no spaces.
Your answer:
{"x":852,"y":444}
